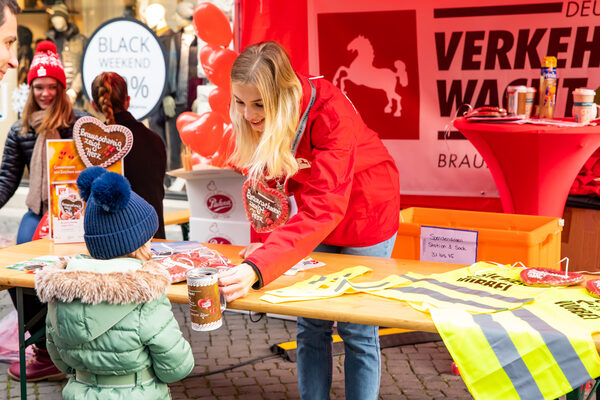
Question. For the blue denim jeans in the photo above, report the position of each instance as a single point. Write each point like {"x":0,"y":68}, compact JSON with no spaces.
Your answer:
{"x":362,"y":362}
{"x":28,"y":225}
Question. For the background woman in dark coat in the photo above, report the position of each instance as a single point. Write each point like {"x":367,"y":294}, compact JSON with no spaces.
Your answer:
{"x":146,"y":163}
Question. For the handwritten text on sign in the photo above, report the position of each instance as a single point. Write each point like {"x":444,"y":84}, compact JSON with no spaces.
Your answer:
{"x":456,"y":246}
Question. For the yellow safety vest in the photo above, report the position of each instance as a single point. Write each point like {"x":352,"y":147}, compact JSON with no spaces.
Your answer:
{"x":332,"y":285}
{"x":480,"y":288}
{"x":539,"y":351}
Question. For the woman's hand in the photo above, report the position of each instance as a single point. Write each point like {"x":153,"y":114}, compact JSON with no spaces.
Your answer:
{"x":246,"y":251}
{"x":236,"y":281}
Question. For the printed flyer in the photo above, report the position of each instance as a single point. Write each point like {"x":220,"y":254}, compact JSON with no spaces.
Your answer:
{"x":66,"y":208}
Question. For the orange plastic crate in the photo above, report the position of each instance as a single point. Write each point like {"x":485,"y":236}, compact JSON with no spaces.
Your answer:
{"x":503,"y":238}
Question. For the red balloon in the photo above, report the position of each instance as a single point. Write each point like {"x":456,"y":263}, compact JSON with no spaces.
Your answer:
{"x":205,"y":52}
{"x":218,"y":66}
{"x":226,"y":148}
{"x":185,"y":118}
{"x":212,"y":25}
{"x":219,"y":99}
{"x":204,"y":134}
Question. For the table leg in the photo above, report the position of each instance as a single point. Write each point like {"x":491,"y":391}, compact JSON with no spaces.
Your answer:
{"x":24,"y":327}
{"x":595,"y":390}
{"x":185,"y":230}
{"x":22,"y":344}
{"x":576,"y":394}
{"x":579,"y":393}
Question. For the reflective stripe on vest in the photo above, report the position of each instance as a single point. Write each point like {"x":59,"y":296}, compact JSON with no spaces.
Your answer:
{"x":481,"y":288}
{"x":539,"y":351}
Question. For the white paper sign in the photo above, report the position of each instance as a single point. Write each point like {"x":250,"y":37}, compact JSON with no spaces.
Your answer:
{"x":455,"y":246}
{"x":128,"y":47}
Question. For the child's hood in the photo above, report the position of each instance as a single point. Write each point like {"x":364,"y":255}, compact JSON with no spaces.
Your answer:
{"x":87,"y":297}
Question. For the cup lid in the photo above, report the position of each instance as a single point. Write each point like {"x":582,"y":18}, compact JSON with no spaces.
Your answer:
{"x":585,"y":91}
{"x":517,"y":88}
{"x":531,"y":90}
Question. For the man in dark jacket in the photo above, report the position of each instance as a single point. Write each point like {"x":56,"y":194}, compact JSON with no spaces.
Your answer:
{"x":8,"y":35}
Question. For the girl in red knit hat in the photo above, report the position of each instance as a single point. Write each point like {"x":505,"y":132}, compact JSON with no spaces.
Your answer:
{"x":47,"y":115}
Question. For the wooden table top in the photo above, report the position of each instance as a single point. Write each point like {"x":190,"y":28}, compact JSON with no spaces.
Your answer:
{"x":358,"y":308}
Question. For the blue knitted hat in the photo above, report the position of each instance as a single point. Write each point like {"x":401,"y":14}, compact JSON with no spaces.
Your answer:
{"x":116,"y":221}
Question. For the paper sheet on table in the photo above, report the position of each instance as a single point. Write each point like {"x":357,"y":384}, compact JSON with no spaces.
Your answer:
{"x":303,"y":265}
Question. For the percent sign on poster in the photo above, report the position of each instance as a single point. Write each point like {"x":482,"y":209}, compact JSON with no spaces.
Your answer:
{"x":138,"y":86}
{"x":128,"y":47}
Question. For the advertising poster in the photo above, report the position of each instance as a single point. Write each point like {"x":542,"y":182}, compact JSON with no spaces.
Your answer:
{"x":131,"y":49}
{"x":65,"y":206}
{"x":409,"y":67}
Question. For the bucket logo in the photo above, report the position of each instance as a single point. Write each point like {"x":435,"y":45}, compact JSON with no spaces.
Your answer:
{"x":218,"y":238}
{"x":372,"y":58}
{"x":362,"y":71}
{"x":219,"y":203}
{"x":205,"y":303}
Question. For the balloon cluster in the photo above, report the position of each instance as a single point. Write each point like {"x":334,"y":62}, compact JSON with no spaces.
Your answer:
{"x":210,"y":134}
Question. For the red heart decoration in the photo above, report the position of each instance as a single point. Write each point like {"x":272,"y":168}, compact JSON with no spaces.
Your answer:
{"x":550,"y":277}
{"x":258,"y":198}
{"x":218,"y":66}
{"x":202,"y":133}
{"x":212,"y":25}
{"x":185,"y":118}
{"x":219,"y":99}
{"x":226,"y":148}
{"x":205,"y":53}
{"x":93,"y":140}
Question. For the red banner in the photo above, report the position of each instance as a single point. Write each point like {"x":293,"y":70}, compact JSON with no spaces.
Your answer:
{"x":408,"y":67}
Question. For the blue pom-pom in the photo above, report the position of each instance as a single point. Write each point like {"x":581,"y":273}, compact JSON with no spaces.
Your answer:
{"x":85,"y":180}
{"x":111,"y":191}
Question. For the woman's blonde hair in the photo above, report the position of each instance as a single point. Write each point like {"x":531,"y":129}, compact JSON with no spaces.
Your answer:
{"x":58,"y":115}
{"x":109,"y":92}
{"x":267,"y":67}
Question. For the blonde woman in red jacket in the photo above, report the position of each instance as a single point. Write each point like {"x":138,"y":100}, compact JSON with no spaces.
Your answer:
{"x":339,"y":192}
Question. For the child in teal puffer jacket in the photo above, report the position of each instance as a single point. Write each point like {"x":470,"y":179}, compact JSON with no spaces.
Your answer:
{"x":109,"y":320}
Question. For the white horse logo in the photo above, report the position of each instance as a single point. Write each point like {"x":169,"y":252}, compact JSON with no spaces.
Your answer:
{"x":362,"y":72}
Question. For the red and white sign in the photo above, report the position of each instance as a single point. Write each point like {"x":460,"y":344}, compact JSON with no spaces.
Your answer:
{"x":408,"y":66}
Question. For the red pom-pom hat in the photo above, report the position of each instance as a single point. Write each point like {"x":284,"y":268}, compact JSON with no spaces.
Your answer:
{"x":46,"y":63}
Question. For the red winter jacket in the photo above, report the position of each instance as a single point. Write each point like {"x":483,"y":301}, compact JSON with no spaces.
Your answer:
{"x":347,"y":189}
